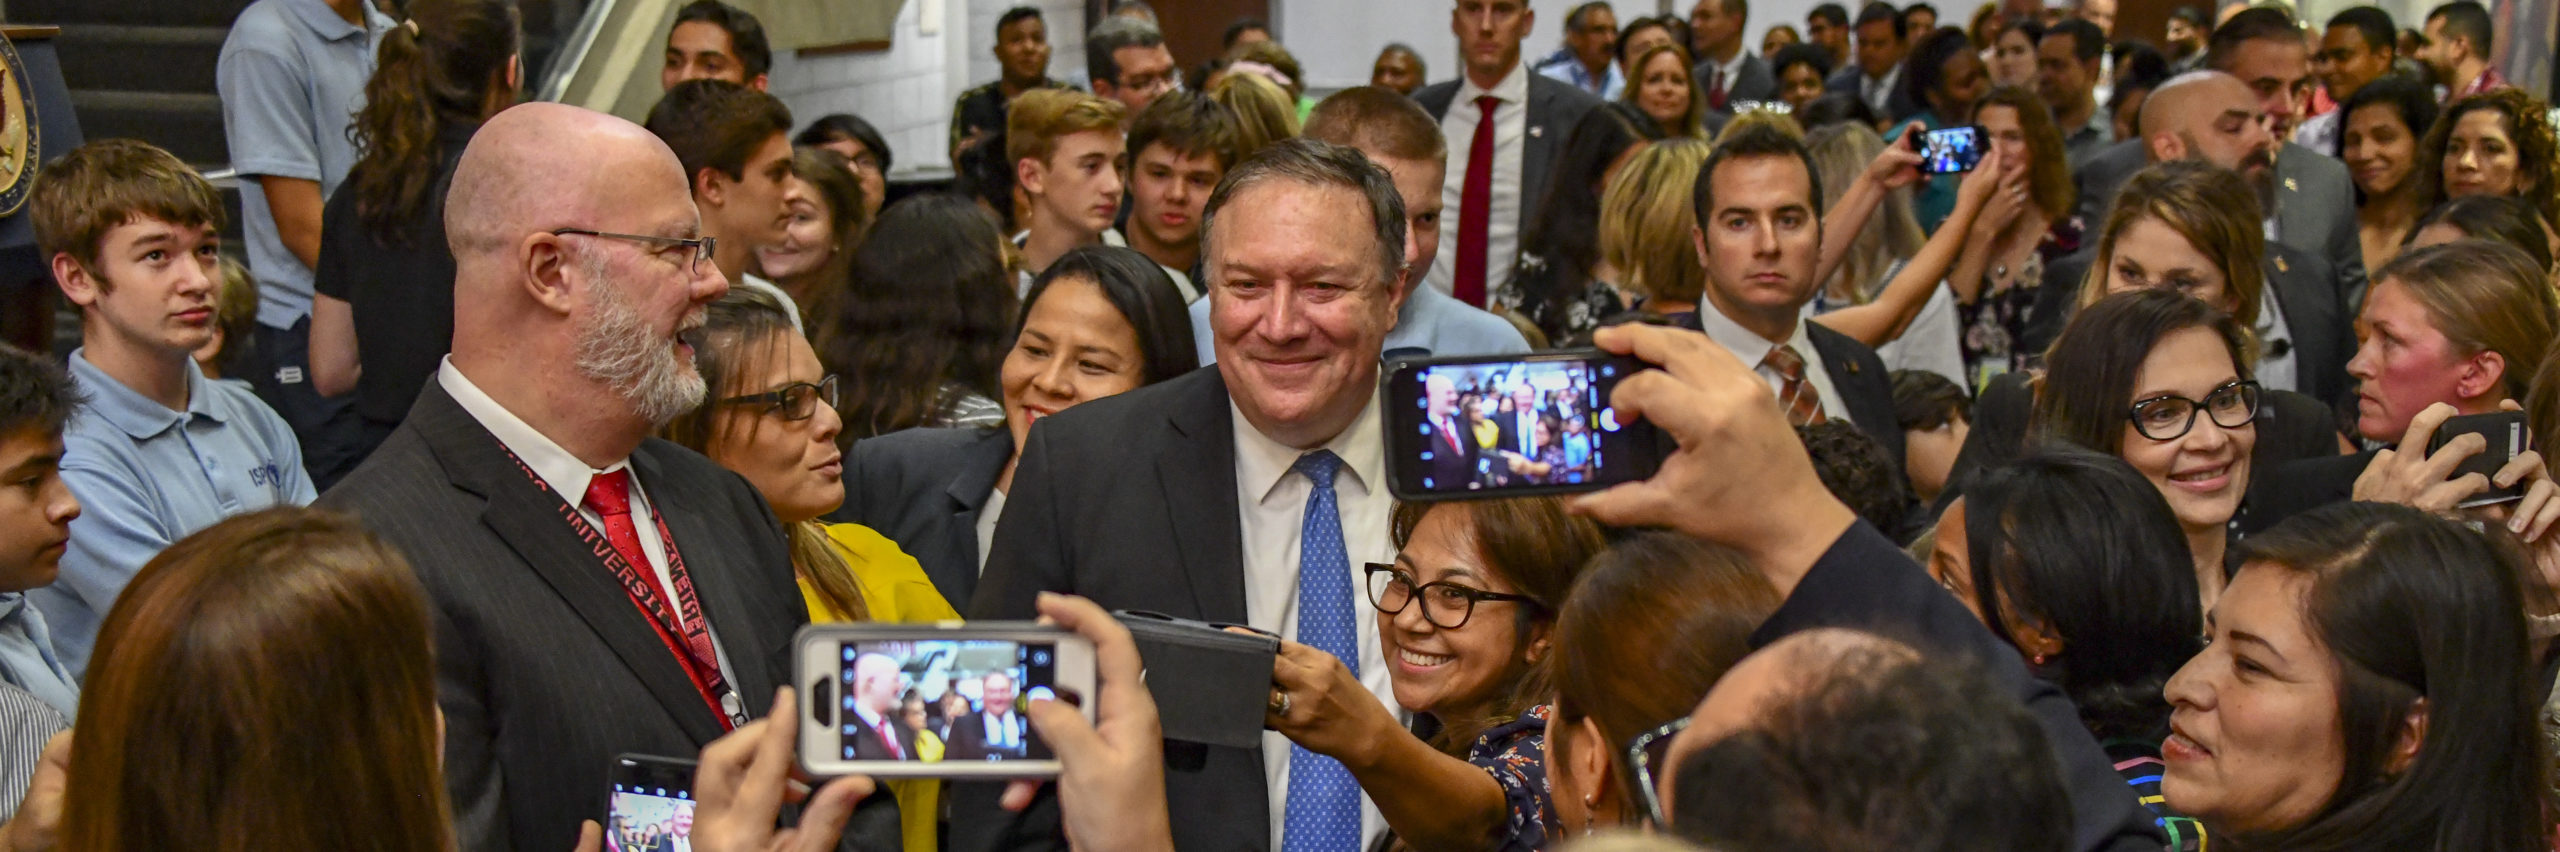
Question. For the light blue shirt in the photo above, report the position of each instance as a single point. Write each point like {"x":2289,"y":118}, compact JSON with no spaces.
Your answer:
{"x":1569,"y":70}
{"x":1432,"y":321}
{"x":147,"y":476}
{"x":27,"y":660}
{"x":291,"y":77}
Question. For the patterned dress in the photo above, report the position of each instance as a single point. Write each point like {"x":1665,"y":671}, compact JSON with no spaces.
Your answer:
{"x":1994,"y":322}
{"x":1514,"y":754}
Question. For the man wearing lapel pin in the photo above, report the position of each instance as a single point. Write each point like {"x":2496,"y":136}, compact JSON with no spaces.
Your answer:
{"x":597,"y":591}
{"x":1515,"y":119}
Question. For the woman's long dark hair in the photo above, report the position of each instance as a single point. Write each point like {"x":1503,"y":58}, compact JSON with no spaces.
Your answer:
{"x":438,"y":70}
{"x":930,"y":304}
{"x":1564,"y":235}
{"x":2416,"y":607}
{"x":2087,"y":392}
{"x":1143,"y":294}
{"x":2076,"y":541}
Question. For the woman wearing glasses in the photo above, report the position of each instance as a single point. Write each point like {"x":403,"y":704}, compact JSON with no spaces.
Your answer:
{"x":769,"y":415}
{"x":1465,"y":621}
{"x":1099,"y":321}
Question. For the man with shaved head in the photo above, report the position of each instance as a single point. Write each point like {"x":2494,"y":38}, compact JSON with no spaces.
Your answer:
{"x":596,"y":591}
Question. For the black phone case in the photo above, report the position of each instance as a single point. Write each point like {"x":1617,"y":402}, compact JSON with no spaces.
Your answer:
{"x":1211,"y":686}
{"x":2507,"y":437}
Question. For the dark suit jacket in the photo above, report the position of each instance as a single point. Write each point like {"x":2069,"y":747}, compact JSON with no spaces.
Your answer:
{"x":1865,"y":582}
{"x":2304,"y":284}
{"x":1450,"y":465}
{"x":2299,"y":486}
{"x":868,"y":745}
{"x":968,"y":740}
{"x":1752,"y":80}
{"x":1554,"y":108}
{"x":1849,"y":79}
{"x":2315,"y":207}
{"x":1130,"y":501}
{"x":544,"y":669}
{"x":924,"y":488}
{"x":1864,"y":385}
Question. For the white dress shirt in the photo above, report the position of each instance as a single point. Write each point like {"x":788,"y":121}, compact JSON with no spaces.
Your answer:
{"x":1751,"y":348}
{"x":2275,"y":371}
{"x":1713,"y":69}
{"x":568,"y":477}
{"x":988,"y":515}
{"x":1273,"y":505}
{"x":1510,"y":155}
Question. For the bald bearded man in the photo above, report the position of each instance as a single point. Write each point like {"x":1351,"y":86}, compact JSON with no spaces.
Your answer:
{"x":596,"y":591}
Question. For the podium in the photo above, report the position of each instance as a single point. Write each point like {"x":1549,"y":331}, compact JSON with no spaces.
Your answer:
{"x":27,"y":295}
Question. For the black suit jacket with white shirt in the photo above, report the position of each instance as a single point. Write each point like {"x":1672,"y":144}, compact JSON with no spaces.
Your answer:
{"x":1554,"y":108}
{"x":544,"y":669}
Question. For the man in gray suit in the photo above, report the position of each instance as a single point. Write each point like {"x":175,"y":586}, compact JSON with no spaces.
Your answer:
{"x":2307,"y":196}
{"x":596,"y":591}
{"x":1726,"y":72}
{"x":1504,"y":125}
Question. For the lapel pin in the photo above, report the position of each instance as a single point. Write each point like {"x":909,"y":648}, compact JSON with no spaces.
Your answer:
{"x":2288,"y":185}
{"x":1853,"y":368}
{"x":2280,"y":265}
{"x":1537,"y":131}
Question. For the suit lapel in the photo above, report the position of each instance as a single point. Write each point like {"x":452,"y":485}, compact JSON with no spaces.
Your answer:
{"x":1197,"y":470}
{"x":527,"y":516}
{"x":970,"y":487}
{"x":716,"y":581}
{"x":1538,"y":150}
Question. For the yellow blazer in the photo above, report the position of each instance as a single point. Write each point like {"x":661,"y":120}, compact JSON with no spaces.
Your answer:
{"x":896,"y":590}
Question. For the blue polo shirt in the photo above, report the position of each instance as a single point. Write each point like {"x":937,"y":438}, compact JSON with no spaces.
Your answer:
{"x":291,"y":77}
{"x":147,"y":476}
{"x":27,"y":659}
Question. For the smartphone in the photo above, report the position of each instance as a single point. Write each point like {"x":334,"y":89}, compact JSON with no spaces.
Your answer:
{"x":1511,"y":426}
{"x":1950,"y":150}
{"x":652,"y":805}
{"x":934,"y":701}
{"x":2507,"y":437}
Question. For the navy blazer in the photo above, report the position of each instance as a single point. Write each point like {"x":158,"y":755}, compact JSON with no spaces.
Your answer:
{"x":1864,"y":582}
{"x":924,"y":489}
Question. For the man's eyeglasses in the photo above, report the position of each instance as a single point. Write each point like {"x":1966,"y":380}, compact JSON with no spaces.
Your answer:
{"x":702,"y":248}
{"x":795,"y":401}
{"x":1445,"y":604}
{"x":1647,"y":751}
{"x":2169,"y":417}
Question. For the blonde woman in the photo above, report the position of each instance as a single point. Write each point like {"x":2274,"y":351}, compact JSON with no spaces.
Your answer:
{"x":1666,"y":92}
{"x":1645,"y":225}
{"x":1265,"y":114}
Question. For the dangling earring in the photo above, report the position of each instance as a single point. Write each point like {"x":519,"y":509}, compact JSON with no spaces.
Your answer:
{"x":1590,"y":802}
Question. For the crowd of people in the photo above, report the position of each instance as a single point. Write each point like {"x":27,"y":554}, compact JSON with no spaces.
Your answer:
{"x":2087,"y":499}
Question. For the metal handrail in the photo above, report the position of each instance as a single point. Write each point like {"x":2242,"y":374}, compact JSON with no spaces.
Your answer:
{"x":572,"y":52}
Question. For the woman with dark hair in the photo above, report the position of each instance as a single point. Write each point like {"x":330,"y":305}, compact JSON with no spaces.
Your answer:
{"x":811,"y":263}
{"x":2013,"y":53}
{"x":382,"y":309}
{"x":1561,"y":285}
{"x":1470,"y":774}
{"x":863,"y":149}
{"x":1100,"y":321}
{"x":2161,"y":380}
{"x":2502,"y":219}
{"x":1664,"y":90}
{"x":2378,"y":140}
{"x":2368,"y":684}
{"x":1947,"y":78}
{"x":2498,"y":142}
{"x":1643,"y":35}
{"x":921,"y":329}
{"x":2140,"y":68}
{"x":1649,"y":628}
{"x":2026,"y":224}
{"x":2070,"y":557}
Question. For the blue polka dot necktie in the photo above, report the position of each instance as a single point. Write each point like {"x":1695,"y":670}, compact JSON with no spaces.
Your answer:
{"x":1324,"y":803}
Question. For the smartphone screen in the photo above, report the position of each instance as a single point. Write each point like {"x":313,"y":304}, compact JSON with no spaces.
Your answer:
{"x":1951,"y":150}
{"x":922,"y":700}
{"x":652,"y":805}
{"x":1507,"y":427}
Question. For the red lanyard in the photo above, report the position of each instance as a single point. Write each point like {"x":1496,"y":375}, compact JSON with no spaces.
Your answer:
{"x":681,"y":628}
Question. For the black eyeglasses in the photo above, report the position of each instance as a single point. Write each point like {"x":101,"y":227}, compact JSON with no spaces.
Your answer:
{"x":795,"y":401}
{"x":1445,"y":604}
{"x":701,"y":247}
{"x":2170,"y":417}
{"x":1648,"y":750}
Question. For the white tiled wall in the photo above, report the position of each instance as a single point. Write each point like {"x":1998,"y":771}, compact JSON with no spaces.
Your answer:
{"x":907,"y":90}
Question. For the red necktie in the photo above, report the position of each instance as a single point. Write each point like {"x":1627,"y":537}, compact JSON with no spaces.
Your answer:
{"x":1452,"y":434}
{"x":1715,"y":89}
{"x":1797,"y":396}
{"x":891,"y":740}
{"x":609,"y":494}
{"x":1475,"y":208}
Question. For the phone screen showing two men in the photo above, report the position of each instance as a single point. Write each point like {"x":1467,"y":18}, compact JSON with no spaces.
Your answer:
{"x":943,"y":700}
{"x":1486,"y":428}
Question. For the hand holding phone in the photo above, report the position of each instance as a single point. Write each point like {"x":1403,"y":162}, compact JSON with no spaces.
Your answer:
{"x":1950,"y":150}
{"x":938,"y":701}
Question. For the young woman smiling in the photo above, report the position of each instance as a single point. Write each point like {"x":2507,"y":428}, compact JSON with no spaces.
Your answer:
{"x":2384,"y":121}
{"x":1465,"y":620}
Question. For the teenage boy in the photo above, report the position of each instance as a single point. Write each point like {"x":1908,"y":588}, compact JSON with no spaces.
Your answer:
{"x":1066,"y":148}
{"x":1180,"y":145}
{"x":155,"y":451}
{"x":36,"y":509}
{"x":735,"y":146}
{"x":712,"y":40}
